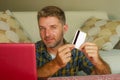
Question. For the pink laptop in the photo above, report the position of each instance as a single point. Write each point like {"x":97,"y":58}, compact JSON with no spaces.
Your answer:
{"x":17,"y":61}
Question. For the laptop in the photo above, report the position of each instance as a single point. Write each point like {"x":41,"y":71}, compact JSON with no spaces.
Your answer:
{"x":17,"y":61}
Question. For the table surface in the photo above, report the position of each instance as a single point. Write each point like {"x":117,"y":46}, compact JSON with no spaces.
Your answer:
{"x":91,"y":77}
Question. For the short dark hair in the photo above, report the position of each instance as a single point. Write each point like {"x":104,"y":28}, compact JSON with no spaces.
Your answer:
{"x":52,"y":11}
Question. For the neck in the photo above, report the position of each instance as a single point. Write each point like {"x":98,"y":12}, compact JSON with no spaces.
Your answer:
{"x":54,"y":49}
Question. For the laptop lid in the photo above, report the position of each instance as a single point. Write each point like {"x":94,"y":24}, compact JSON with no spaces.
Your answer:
{"x":17,"y":61}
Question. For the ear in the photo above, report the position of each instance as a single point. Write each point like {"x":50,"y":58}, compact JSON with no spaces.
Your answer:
{"x":65,"y":27}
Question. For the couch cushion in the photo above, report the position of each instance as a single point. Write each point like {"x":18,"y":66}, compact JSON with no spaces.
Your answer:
{"x":11,"y":30}
{"x":105,"y":33}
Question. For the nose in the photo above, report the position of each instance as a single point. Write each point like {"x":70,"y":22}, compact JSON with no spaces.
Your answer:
{"x":47,"y":32}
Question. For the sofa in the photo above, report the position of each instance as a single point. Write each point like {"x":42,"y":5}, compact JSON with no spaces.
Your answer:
{"x":75,"y":20}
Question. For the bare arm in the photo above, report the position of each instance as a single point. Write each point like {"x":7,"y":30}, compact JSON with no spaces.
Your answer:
{"x":48,"y":69}
{"x":101,"y":68}
{"x":91,"y":52}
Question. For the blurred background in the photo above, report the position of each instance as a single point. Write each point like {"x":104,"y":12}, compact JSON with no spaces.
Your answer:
{"x":112,"y":7}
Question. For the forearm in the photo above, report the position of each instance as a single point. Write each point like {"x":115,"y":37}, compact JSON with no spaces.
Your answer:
{"x":48,"y":69}
{"x":102,"y":68}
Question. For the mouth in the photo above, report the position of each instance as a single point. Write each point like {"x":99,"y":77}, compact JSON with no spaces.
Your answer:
{"x":48,"y":40}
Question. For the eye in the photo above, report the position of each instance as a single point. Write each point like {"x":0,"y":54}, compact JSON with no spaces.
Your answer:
{"x":41,"y":28}
{"x":53,"y":27}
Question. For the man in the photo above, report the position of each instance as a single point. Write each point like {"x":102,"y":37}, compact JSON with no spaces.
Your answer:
{"x":56,"y":57}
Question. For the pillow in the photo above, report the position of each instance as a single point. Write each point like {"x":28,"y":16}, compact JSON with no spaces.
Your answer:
{"x":104,"y":33}
{"x":117,"y":46}
{"x":10,"y":29}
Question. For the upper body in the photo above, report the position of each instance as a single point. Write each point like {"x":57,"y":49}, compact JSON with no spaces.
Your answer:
{"x":67,"y":60}
{"x":77,"y":63}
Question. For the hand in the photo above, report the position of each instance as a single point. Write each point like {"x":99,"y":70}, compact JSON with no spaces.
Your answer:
{"x":64,"y":55}
{"x":91,"y":52}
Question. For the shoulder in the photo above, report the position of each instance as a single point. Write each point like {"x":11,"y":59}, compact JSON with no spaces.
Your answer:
{"x":40,"y":45}
{"x":38,"y":42}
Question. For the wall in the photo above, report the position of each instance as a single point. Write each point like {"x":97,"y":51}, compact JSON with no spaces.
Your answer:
{"x":110,"y":6}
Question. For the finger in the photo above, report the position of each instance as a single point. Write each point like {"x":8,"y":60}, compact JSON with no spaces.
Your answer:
{"x":66,"y":46}
{"x":90,"y":50}
{"x":92,"y":47}
{"x":67,"y":59}
{"x":87,"y":43}
{"x":68,"y":54}
{"x":64,"y":52}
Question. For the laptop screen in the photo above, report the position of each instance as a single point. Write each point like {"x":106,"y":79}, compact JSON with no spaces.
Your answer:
{"x":17,"y":61}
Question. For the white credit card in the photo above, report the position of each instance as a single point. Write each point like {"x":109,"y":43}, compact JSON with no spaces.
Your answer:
{"x":79,"y":38}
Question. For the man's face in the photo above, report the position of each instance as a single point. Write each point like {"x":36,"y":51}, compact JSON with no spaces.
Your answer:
{"x":51,"y":31}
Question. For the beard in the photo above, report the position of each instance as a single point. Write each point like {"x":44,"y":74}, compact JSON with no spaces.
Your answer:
{"x":55,"y":43}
